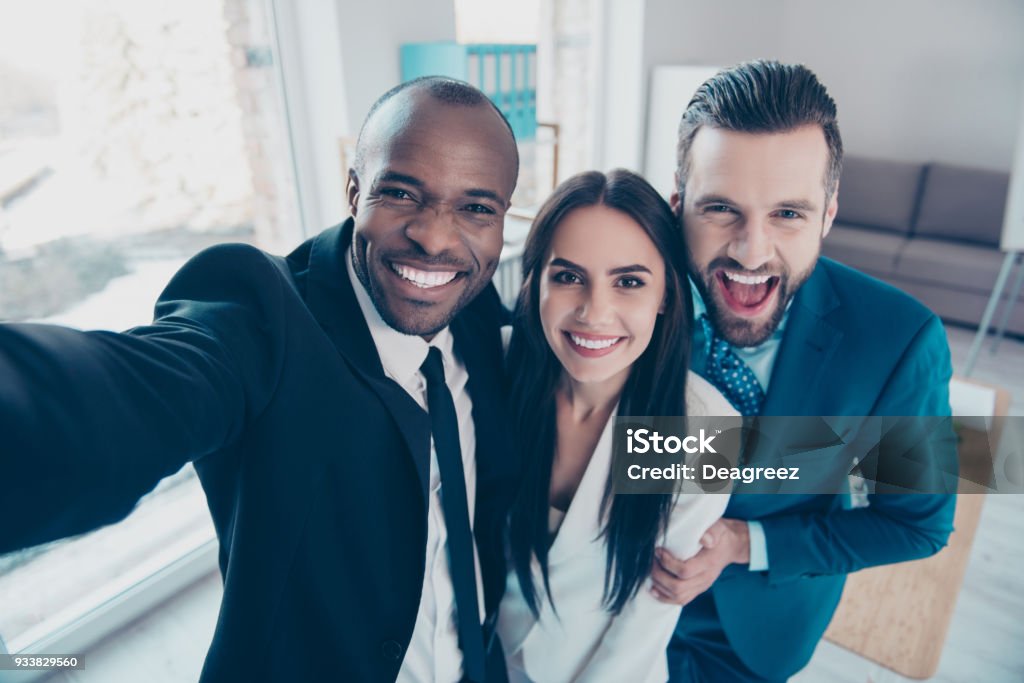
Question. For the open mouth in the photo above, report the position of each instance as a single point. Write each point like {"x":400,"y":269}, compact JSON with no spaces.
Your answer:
{"x":425,"y":279}
{"x":747,"y":294}
{"x":592,"y":345}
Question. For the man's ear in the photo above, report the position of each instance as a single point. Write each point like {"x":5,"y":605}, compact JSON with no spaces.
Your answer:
{"x":830,"y":212}
{"x":675,"y":200}
{"x":352,"y":191}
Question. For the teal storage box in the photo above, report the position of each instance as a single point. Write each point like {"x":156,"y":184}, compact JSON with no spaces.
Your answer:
{"x":507,"y":74}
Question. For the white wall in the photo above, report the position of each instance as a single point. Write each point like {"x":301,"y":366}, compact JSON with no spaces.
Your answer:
{"x":619,"y":89}
{"x":671,"y":89}
{"x":371,"y":33}
{"x":310,"y":56}
{"x":1013,"y":219}
{"x":913,"y":79}
{"x":338,"y":56}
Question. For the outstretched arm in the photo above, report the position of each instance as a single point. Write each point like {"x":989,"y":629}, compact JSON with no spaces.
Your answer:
{"x":91,"y":421}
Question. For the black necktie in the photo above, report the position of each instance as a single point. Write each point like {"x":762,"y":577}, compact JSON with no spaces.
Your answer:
{"x":445,"y":426}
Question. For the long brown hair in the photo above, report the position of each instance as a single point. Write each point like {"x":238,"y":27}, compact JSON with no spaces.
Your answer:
{"x":656,"y":386}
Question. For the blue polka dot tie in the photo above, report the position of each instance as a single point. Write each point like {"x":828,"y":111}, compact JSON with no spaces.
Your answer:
{"x":730,"y":374}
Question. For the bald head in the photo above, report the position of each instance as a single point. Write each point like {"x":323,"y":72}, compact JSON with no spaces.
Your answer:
{"x":395,"y":109}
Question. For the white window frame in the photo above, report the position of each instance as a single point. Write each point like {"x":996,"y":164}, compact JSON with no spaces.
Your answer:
{"x":168,"y":573}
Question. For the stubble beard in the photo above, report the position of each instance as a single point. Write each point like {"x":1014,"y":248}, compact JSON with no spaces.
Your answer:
{"x":742,"y":332}
{"x":425,"y":322}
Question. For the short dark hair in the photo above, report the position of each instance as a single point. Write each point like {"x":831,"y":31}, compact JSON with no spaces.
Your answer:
{"x":762,"y":97}
{"x":447,"y":90}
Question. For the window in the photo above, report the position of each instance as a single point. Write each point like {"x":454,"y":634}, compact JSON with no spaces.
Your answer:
{"x":132,"y":135}
{"x":563,"y":31}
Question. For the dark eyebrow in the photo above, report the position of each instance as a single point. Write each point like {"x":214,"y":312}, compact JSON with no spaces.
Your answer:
{"x":565,"y":263}
{"x":635,"y":268}
{"x":797,"y":205}
{"x":621,"y":270}
{"x":393,"y":177}
{"x":713,"y":199}
{"x":486,"y":194}
{"x":792,"y":204}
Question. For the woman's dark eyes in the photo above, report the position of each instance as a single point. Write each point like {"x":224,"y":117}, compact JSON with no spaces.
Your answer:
{"x":566,"y":277}
{"x":631,"y":282}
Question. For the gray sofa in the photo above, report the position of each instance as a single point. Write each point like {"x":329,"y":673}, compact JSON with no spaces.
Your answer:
{"x":930,"y":229}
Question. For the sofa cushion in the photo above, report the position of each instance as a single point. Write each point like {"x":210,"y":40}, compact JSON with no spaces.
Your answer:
{"x":956,"y":265}
{"x":868,"y":250}
{"x":958,"y":305}
{"x":879,"y":194}
{"x":961,"y":203}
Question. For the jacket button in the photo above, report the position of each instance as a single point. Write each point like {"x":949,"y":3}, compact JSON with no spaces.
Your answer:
{"x":391,"y":649}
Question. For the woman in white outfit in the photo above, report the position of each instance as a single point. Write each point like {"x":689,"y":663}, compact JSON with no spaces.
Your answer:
{"x":601,"y":329}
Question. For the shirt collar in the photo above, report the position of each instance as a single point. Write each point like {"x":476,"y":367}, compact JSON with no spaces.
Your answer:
{"x":699,"y":308}
{"x":401,"y":355}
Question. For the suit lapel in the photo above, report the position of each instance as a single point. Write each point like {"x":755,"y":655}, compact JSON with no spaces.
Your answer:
{"x":330,"y":297}
{"x":583,"y":521}
{"x":478,"y":345}
{"x":470,"y":347}
{"x":806,"y":350}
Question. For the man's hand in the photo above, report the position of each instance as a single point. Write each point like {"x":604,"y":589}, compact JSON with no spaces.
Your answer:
{"x":680,"y":581}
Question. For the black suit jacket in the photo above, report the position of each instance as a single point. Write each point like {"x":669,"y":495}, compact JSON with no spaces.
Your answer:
{"x":262,"y":371}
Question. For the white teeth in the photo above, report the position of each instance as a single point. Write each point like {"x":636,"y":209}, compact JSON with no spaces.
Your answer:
{"x":594,"y":343}
{"x":748,"y":279}
{"x":424,"y":279}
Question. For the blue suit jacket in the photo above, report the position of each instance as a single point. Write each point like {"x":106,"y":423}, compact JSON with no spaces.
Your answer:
{"x":853,"y":346}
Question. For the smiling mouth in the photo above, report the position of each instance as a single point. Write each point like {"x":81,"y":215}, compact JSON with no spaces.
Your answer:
{"x":424,"y":279}
{"x":748,"y":294}
{"x":591,"y":345}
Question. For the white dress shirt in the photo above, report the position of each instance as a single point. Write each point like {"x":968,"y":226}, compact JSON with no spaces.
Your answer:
{"x":433,"y":654}
{"x":582,"y":641}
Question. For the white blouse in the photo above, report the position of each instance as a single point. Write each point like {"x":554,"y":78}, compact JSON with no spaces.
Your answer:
{"x":583,"y":641}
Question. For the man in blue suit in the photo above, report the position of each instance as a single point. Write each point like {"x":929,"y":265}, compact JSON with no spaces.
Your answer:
{"x":783,"y":331}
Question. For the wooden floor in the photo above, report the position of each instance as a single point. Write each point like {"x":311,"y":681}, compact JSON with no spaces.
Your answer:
{"x":985,"y":642}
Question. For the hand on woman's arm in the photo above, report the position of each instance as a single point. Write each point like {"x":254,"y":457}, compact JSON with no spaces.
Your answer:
{"x":677,"y":581}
